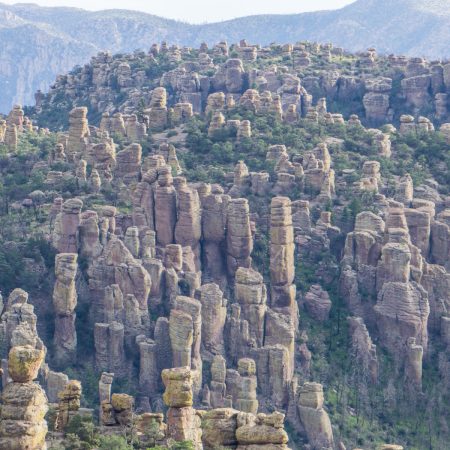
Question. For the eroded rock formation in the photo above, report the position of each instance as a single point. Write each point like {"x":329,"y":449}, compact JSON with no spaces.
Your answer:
{"x":24,"y":403}
{"x":64,"y":303}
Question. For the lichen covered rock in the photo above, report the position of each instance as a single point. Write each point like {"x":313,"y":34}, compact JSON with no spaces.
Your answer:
{"x":24,"y":363}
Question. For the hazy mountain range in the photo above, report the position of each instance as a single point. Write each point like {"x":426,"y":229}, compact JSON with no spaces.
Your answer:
{"x":37,"y":43}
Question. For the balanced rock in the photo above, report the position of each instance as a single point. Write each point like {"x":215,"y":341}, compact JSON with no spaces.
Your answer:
{"x":178,"y":383}
{"x":24,"y":363}
{"x":24,"y":403}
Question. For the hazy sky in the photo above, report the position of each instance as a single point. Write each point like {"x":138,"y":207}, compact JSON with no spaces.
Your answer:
{"x":197,"y":11}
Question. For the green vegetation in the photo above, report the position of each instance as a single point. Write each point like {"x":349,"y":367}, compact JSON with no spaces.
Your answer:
{"x":15,"y":259}
{"x":82,"y":434}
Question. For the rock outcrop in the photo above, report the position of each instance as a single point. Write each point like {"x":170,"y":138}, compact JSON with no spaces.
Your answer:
{"x":214,"y":312}
{"x":313,"y":418}
{"x":24,"y":403}
{"x":282,"y":268}
{"x":69,"y":404}
{"x":65,"y":233}
{"x":318,"y":303}
{"x":183,"y":422}
{"x":250,"y":293}
{"x":198,"y":280}
{"x":239,"y":236}
{"x":78,"y":132}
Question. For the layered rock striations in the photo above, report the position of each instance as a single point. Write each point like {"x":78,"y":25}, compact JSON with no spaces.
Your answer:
{"x":24,"y":403}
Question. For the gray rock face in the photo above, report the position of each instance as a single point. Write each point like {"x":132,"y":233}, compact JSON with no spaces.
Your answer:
{"x":402,"y":312}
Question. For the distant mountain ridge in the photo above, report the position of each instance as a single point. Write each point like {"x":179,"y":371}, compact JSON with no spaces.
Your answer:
{"x":38,"y":43}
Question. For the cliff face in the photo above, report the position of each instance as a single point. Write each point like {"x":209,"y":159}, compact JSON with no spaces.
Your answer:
{"x":42,"y":42}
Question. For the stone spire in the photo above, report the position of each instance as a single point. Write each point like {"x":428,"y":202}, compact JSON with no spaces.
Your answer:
{"x":183,"y":423}
{"x":250,"y":292}
{"x":11,"y":137}
{"x":239,"y":235}
{"x":214,"y":313}
{"x":65,"y":233}
{"x":188,"y":227}
{"x":64,"y":302}
{"x":78,"y":131}
{"x":282,"y":267}
{"x":165,"y":204}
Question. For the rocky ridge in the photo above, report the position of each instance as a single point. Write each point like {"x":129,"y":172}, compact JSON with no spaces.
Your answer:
{"x":168,"y":84}
{"x":64,"y":37}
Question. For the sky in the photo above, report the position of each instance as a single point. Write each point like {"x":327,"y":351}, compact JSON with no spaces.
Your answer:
{"x":199,"y":11}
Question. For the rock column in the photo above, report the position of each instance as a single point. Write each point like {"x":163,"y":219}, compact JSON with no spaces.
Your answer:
{"x":402,"y":307}
{"x":69,"y":404}
{"x":24,"y":403}
{"x":413,"y":364}
{"x":11,"y":137}
{"x":218,"y":386}
{"x":188,"y":228}
{"x":214,"y":214}
{"x":165,"y":205}
{"x":282,"y":267}
{"x":250,"y":293}
{"x":148,"y":367}
{"x":314,"y":419}
{"x":65,"y":233}
{"x":193,"y":307}
{"x":239,"y":235}
{"x":64,"y":302}
{"x":214,"y":313}
{"x":158,"y":109}
{"x":181,"y":337}
{"x":104,"y":393}
{"x":183,"y":423}
{"x":246,"y":390}
{"x":78,"y":131}
{"x":109,"y":347}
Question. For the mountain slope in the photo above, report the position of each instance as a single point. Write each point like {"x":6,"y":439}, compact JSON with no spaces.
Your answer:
{"x":400,"y":26}
{"x":56,"y":39}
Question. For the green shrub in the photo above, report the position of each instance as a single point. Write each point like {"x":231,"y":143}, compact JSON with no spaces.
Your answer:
{"x":113,"y":443}
{"x":73,"y":442}
{"x":50,"y":417}
{"x":185,"y":445}
{"x":84,"y":430}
